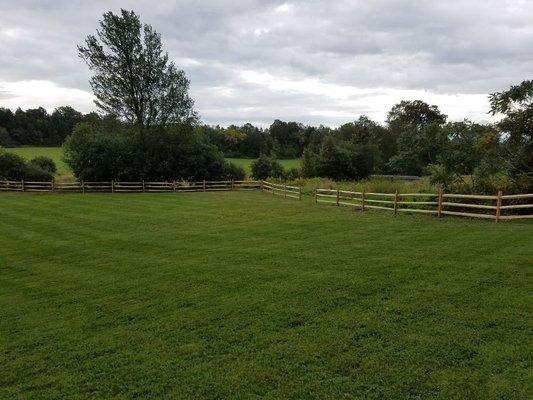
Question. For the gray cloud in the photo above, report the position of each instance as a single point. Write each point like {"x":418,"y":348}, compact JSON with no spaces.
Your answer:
{"x":312,"y":61}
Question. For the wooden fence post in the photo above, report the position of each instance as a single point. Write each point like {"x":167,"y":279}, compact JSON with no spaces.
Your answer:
{"x":232,"y":184}
{"x":144,"y":186}
{"x":363,"y":200}
{"x":499,"y":206}
{"x":316,"y":196}
{"x":112,"y":186}
{"x":396,"y":202}
{"x":52,"y":185}
{"x":22,"y":184}
{"x":261,"y":185}
{"x":203,"y":185}
{"x":83,"y":187}
{"x":174,"y":186}
{"x":439,"y":204}
{"x":338,"y":193}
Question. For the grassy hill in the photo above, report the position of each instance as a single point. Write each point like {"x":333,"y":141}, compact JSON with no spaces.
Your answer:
{"x":241,"y":295}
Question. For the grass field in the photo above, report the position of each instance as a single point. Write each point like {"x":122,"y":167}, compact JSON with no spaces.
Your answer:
{"x":241,"y":295}
{"x":55,"y":153}
{"x":63,"y":170}
{"x":246,"y":163}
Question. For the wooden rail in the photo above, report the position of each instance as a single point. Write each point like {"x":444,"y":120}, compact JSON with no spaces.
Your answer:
{"x":293,"y":192}
{"x":463,"y":205}
{"x":127,"y":187}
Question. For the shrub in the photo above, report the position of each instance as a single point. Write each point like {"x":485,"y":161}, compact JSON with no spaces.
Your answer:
{"x":35,"y":173}
{"x":292,"y":174}
{"x":12,"y":166}
{"x":45,"y":163}
{"x":265,"y":167}
{"x":232,"y":172}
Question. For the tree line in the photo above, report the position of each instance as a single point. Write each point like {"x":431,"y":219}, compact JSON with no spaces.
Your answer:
{"x":147,"y":129}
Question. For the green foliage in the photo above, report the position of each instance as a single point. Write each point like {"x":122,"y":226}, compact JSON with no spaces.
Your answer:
{"x":237,"y":295}
{"x":33,"y":172}
{"x":232,"y":172}
{"x":133,"y":78}
{"x":174,"y":153}
{"x":265,"y":167}
{"x":44,"y":163}
{"x":12,"y":166}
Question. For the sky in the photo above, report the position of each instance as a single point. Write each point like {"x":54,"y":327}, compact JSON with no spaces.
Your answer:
{"x":315,"y":62}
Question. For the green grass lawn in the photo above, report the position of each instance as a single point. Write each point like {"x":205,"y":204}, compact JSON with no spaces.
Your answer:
{"x":240,"y":295}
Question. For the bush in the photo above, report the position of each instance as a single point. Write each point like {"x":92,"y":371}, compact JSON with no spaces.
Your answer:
{"x":12,"y":166}
{"x":265,"y":167}
{"x":233,"y":172}
{"x":292,"y":174}
{"x":175,"y":153}
{"x":35,"y":173}
{"x":44,"y":163}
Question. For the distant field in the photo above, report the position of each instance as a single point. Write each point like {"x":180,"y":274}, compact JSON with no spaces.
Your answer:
{"x":239,"y":295}
{"x":246,"y":162}
{"x":56,"y":154}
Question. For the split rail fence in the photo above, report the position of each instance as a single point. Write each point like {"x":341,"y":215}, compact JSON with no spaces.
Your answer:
{"x":497,"y":207}
{"x":127,"y":187}
{"x":293,"y":192}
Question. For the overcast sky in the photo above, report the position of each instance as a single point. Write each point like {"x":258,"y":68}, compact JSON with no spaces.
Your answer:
{"x":309,"y":61}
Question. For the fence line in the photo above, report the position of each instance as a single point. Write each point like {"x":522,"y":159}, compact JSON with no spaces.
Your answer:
{"x":127,"y":187}
{"x":293,"y":192}
{"x":431,"y":203}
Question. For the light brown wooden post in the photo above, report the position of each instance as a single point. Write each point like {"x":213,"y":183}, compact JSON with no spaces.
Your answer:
{"x":338,"y":196}
{"x":261,"y":185}
{"x":112,"y":186}
{"x":23,"y":188}
{"x":144,"y":186}
{"x":316,"y":196}
{"x":203,"y":185}
{"x":52,"y":185}
{"x":174,"y":186}
{"x":363,"y":200}
{"x":232,"y":184}
{"x":439,"y":204}
{"x":82,"y":186}
{"x":499,"y":205}
{"x":396,"y":202}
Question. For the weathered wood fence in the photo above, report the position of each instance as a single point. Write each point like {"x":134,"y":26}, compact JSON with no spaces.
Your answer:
{"x":293,"y":192}
{"x":127,"y":187}
{"x":497,"y":207}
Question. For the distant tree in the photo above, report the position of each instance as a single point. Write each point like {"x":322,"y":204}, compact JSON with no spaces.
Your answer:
{"x":265,"y":167}
{"x":62,"y":122}
{"x":415,"y":127}
{"x":516,"y":104}
{"x":134,"y":78}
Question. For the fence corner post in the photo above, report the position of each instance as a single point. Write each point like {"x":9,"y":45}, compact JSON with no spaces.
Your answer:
{"x":439,"y":204}
{"x":363,"y":199}
{"x":396,"y":202}
{"x":499,"y":205}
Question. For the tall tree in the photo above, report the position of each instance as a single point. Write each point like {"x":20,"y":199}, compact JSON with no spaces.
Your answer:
{"x":133,"y":78}
{"x":516,"y":104}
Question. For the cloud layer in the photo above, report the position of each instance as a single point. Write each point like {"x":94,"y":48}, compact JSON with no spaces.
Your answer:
{"x":311,"y":61}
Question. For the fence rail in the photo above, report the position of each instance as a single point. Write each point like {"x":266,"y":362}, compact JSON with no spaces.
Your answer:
{"x":127,"y":187}
{"x":463,"y":205}
{"x":278,"y":189}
